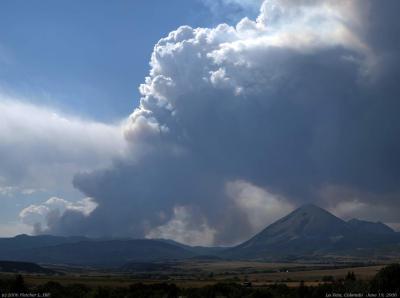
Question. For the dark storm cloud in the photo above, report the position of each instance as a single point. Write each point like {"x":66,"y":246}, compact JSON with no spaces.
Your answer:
{"x":302,"y":101}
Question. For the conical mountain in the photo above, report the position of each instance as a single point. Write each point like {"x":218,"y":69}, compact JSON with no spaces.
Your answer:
{"x":306,"y":230}
{"x":308,"y":221}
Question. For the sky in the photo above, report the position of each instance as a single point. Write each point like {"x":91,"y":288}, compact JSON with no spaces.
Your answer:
{"x":89,"y":58}
{"x":84,"y":60}
{"x":182,"y":119}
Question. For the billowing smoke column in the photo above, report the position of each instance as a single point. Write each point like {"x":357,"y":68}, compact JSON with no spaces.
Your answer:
{"x":237,"y":125}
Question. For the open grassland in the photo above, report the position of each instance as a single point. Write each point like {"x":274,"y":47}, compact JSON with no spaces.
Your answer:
{"x":202,"y":273}
{"x":363,"y":273}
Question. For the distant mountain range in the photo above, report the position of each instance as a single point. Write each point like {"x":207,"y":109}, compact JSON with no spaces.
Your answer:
{"x":88,"y":252}
{"x":311,"y":231}
{"x":308,"y":232}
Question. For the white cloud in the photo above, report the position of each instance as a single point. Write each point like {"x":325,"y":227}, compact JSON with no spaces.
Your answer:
{"x":362,"y":209}
{"x":38,"y":215}
{"x":372,"y":211}
{"x":7,"y":190}
{"x":261,"y":207}
{"x":181,"y":228}
{"x":43,"y":149}
{"x":12,"y":190}
{"x":348,"y":203}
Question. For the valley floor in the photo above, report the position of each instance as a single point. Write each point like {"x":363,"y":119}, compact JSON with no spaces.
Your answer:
{"x":196,"y":273}
{"x":209,"y":278}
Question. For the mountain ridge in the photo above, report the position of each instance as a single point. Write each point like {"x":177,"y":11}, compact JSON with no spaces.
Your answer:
{"x":307,"y":232}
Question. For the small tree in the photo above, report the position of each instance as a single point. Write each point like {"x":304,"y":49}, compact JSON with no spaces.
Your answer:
{"x":302,"y":290}
{"x":350,"y":276}
{"x":19,"y":284}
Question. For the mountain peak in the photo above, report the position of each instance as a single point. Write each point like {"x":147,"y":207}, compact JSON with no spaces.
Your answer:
{"x":21,"y":236}
{"x":308,"y":205}
{"x":308,"y":223}
{"x":311,"y":220}
{"x":310,"y":230}
{"x":313,"y":213}
{"x":309,"y":227}
{"x":310,"y":208}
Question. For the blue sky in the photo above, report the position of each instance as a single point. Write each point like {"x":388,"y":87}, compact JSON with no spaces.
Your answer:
{"x":89,"y":57}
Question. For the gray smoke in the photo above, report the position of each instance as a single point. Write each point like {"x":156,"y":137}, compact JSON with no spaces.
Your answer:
{"x":300,"y":105}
